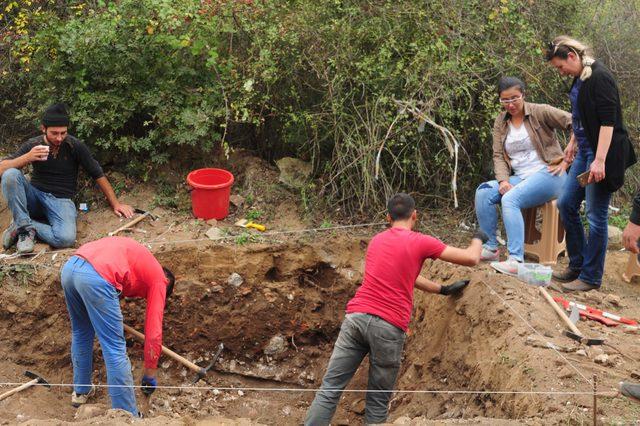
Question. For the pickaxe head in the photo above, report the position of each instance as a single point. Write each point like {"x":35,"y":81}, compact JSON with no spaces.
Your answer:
{"x":148,"y":213}
{"x":41,"y":381}
{"x":583,"y":340}
{"x":203,"y":372}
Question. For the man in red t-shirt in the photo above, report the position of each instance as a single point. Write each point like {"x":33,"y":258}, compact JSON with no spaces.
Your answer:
{"x":378,"y":315}
{"x":93,"y":280}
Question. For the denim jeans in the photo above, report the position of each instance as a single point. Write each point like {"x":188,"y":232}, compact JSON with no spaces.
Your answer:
{"x":533,"y":191}
{"x":360,"y":334}
{"x":586,"y":254}
{"x":94,"y":308}
{"x":26,"y":202}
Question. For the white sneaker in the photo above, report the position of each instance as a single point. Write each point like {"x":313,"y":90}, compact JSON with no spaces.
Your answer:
{"x":489,"y":255}
{"x":80,"y":399}
{"x":508,"y":267}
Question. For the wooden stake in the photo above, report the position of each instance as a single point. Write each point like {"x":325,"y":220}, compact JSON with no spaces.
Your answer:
{"x":595,"y":400}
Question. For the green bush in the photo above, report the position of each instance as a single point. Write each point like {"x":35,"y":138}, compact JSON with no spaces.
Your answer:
{"x":318,"y":79}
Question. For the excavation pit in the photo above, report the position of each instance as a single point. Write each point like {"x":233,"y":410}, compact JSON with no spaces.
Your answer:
{"x":278,"y":321}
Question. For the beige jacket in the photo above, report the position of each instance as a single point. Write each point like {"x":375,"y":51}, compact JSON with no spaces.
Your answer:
{"x":541,"y":121}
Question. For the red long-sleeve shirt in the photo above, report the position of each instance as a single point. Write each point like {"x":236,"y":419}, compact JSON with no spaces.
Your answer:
{"x":135,"y":272}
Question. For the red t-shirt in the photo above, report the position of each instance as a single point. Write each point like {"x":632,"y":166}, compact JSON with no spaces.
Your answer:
{"x":134,"y":271}
{"x":392,"y":264}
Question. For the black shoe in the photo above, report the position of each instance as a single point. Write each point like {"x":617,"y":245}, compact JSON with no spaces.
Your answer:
{"x":631,"y":390}
{"x":566,"y":275}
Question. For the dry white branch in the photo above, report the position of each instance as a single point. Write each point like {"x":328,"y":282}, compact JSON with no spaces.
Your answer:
{"x":450,"y":141}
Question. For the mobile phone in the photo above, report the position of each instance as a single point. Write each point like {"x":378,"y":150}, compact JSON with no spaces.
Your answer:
{"x":583,"y":178}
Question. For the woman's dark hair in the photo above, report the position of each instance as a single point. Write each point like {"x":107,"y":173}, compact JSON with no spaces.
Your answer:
{"x":509,"y":82}
{"x":171,"y":280}
{"x":401,"y":206}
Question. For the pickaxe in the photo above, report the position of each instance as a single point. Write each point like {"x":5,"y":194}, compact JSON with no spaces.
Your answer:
{"x":36,"y":380}
{"x":128,"y":225}
{"x":200,"y":371}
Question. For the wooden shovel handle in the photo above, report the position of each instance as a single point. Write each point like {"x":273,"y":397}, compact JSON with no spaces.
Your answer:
{"x":171,"y":354}
{"x":18,"y":389}
{"x":559,"y":311}
{"x":128,"y":225}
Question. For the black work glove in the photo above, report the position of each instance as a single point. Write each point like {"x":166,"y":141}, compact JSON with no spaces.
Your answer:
{"x":455,"y":288}
{"x":481,"y":235}
{"x":149,"y":385}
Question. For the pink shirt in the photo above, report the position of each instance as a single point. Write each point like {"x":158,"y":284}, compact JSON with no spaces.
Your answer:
{"x":393,"y":262}
{"x":133,"y":270}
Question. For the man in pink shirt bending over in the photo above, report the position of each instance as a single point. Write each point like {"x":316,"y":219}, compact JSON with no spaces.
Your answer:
{"x":378,"y":315}
{"x":93,"y":281}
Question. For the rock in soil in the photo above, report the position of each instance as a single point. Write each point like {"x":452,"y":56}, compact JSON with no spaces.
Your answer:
{"x":358,"y":406}
{"x":276,"y":345}
{"x":294,"y":172}
{"x":89,"y":411}
{"x":235,"y":280}
{"x":214,"y":233}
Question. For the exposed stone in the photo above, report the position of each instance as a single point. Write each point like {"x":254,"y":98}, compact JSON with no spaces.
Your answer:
{"x":214,"y":233}
{"x":212,"y":222}
{"x":237,"y":200}
{"x":235,"y":280}
{"x":358,"y":406}
{"x":276,"y":345}
{"x":602,"y":359}
{"x":566,"y":373}
{"x":613,"y":299}
{"x":294,"y":172}
{"x":89,"y":411}
{"x":615,"y":238}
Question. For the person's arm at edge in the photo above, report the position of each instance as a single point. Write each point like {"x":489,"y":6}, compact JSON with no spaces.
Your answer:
{"x":153,"y":331}
{"x":631,"y":232}
{"x":427,"y":285}
{"x":469,"y":256}
{"x":597,"y":168}
{"x":119,"y":208}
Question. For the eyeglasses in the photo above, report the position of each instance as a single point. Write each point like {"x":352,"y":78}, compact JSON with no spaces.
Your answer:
{"x":510,"y":100}
{"x":552,"y":47}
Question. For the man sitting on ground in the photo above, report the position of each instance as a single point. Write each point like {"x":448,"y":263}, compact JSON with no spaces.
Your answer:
{"x":93,"y":280}
{"x":55,"y":156}
{"x":378,"y":315}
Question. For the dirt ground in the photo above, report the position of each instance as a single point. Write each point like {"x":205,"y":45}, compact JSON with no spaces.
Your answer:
{"x":279,"y":321}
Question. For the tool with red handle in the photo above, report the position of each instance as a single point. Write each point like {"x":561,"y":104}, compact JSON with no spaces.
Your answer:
{"x":604,"y":317}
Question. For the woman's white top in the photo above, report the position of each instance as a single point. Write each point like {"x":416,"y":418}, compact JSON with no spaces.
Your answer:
{"x":524,"y":157}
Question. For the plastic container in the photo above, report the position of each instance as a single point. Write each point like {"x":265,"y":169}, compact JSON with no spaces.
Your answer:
{"x":210,"y":193}
{"x":534,"y":274}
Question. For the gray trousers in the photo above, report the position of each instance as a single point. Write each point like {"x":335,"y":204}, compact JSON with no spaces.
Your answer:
{"x":360,"y":334}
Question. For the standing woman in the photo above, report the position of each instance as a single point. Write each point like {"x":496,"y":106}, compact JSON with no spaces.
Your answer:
{"x":600,"y":146}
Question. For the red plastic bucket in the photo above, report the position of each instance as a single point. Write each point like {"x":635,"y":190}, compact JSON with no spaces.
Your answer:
{"x":210,"y":193}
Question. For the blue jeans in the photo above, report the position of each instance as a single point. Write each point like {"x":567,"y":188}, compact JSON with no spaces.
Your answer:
{"x":533,"y":191}
{"x":94,"y":308}
{"x":26,"y":202}
{"x":586,"y":255}
{"x":360,"y":334}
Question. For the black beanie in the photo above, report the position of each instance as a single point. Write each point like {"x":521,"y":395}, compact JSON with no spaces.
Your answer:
{"x":56,"y":115}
